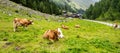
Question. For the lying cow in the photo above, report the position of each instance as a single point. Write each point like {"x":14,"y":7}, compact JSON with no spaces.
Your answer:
{"x":53,"y":35}
{"x":21,"y":22}
{"x":77,"y":26}
{"x":64,"y":27}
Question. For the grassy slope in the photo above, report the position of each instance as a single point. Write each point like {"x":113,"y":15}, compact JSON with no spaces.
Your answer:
{"x":91,"y":37}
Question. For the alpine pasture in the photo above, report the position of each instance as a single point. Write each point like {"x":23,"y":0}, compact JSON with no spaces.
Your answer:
{"x":89,"y":38}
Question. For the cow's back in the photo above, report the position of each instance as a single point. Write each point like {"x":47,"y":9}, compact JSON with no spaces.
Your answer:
{"x":50,"y":34}
{"x":21,"y":21}
{"x":17,"y":20}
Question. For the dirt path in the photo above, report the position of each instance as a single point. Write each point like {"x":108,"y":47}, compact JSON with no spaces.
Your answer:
{"x":105,"y":23}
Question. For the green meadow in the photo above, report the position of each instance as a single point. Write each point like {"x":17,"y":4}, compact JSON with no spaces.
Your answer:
{"x":89,"y":38}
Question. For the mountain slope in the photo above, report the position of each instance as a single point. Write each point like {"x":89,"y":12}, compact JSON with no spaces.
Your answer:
{"x":8,"y":6}
{"x":84,"y":4}
{"x":48,"y":6}
{"x":63,"y":3}
{"x":56,"y":6}
{"x":76,"y":4}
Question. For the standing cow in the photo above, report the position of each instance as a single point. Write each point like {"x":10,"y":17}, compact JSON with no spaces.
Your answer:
{"x":21,"y":22}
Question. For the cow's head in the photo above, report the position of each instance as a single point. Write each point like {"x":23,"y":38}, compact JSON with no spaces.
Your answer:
{"x":60,"y":35}
{"x":31,"y":22}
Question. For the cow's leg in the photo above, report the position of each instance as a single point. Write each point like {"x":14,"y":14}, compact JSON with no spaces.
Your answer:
{"x":51,"y":40}
{"x":57,"y":39}
{"x":25,"y":27}
{"x":14,"y":26}
{"x":14,"y":29}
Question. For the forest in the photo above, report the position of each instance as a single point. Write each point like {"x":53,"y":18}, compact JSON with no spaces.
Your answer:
{"x":104,"y":10}
{"x":46,"y":6}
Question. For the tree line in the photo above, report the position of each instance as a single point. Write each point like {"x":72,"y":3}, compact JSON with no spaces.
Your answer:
{"x":104,"y":10}
{"x":45,"y":6}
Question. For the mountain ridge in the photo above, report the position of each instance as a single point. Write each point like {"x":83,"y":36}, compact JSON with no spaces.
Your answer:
{"x":84,"y":4}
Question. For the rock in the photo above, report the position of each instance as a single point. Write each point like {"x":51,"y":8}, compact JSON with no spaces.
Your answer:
{"x":8,"y":43}
{"x":77,"y":36}
{"x":10,"y":14}
{"x":5,"y":39}
{"x":19,"y":48}
{"x":118,"y":42}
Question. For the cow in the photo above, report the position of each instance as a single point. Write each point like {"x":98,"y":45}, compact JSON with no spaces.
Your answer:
{"x":53,"y":35}
{"x":115,"y":25}
{"x":21,"y":22}
{"x":64,"y":27}
{"x":77,"y":26}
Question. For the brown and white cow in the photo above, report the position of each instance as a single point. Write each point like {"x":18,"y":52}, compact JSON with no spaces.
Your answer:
{"x":64,"y":27}
{"x":53,"y":35}
{"x":115,"y":25}
{"x":21,"y":22}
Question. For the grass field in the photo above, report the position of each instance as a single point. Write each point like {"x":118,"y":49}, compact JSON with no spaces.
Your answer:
{"x":89,"y":38}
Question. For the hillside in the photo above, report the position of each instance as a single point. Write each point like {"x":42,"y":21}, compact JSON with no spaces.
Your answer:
{"x":89,"y":38}
{"x":84,"y":4}
{"x":57,"y":6}
{"x":48,"y":6}
{"x":75,"y":4}
{"x":104,"y":10}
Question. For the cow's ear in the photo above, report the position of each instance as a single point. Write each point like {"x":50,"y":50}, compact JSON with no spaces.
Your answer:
{"x":55,"y":32}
